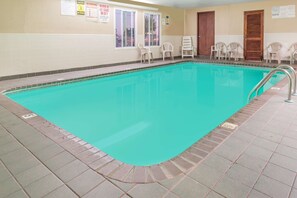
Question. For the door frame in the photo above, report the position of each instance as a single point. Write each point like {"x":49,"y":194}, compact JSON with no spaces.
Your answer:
{"x":245,"y":31}
{"x":214,"y":24}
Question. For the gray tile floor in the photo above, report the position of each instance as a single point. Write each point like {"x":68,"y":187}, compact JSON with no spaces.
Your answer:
{"x":257,"y":160}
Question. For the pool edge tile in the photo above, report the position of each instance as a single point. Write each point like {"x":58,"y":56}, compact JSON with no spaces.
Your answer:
{"x":124,"y":172}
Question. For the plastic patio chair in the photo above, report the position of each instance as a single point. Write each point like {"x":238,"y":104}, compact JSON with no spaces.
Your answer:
{"x":273,"y":52}
{"x":187,"y":47}
{"x":218,"y":50}
{"x":293,"y":53}
{"x":167,"y":48}
{"x":145,"y":53}
{"x":233,"y":51}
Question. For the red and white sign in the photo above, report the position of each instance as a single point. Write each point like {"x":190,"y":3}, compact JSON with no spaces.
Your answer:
{"x":104,"y":12}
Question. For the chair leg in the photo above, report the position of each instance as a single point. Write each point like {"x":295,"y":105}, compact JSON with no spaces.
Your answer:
{"x":147,"y":57}
{"x":152,"y":57}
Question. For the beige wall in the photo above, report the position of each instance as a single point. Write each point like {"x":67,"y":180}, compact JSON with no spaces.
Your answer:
{"x":34,"y":37}
{"x":43,"y":16}
{"x":229,"y":23}
{"x":229,"y":19}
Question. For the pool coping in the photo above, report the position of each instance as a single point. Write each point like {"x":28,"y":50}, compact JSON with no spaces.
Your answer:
{"x":114,"y":169}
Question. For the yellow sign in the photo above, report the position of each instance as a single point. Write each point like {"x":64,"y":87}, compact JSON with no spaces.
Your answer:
{"x":80,"y":7}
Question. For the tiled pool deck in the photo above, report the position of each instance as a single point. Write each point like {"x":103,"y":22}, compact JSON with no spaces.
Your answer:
{"x":259,"y":159}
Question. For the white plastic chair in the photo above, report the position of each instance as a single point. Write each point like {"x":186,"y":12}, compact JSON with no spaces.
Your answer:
{"x":233,"y":51}
{"x":187,"y":47}
{"x":273,"y":52}
{"x":145,"y":53}
{"x":293,"y":53}
{"x":219,"y":50}
{"x":167,"y":48}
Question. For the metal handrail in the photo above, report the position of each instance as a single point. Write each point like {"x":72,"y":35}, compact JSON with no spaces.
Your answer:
{"x":265,"y":80}
{"x":291,"y":69}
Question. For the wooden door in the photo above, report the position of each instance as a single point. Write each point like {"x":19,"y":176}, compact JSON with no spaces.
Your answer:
{"x":205,"y":32}
{"x":253,"y":35}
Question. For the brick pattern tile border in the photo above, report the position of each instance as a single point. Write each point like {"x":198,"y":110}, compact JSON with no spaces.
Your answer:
{"x":114,"y":169}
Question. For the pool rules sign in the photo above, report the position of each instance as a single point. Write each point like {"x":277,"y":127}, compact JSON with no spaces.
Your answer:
{"x":281,"y":12}
{"x":68,"y":7}
{"x":104,"y":13}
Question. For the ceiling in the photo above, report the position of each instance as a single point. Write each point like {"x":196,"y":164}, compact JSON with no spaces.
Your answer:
{"x":192,"y":3}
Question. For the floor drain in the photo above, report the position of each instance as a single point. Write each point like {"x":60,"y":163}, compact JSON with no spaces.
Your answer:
{"x":228,"y":125}
{"x":28,"y":116}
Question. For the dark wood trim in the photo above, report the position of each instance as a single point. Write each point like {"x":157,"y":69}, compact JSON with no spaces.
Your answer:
{"x":214,"y":24}
{"x":262,"y":30}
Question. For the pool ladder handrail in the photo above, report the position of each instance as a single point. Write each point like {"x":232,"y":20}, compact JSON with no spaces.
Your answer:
{"x":293,"y":75}
{"x":281,"y":68}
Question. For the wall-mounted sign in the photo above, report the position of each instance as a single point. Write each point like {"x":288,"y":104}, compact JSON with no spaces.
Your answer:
{"x":92,"y":11}
{"x":80,"y":7}
{"x":68,"y":7}
{"x":279,"y":12}
{"x":104,"y":12}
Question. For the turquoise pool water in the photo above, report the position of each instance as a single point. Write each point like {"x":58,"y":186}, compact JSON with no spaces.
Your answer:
{"x":148,"y":116}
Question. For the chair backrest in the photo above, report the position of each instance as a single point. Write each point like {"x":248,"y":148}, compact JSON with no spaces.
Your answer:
{"x":220,"y":46}
{"x":167,"y":46}
{"x":142,"y":49}
{"x":140,"y":45}
{"x":275,"y":47}
{"x":234,"y":46}
{"x":293,"y":47}
{"x":187,"y":43}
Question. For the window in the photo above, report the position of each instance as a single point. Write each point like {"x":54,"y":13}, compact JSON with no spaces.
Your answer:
{"x":151,"y":29}
{"x":125,"y":28}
